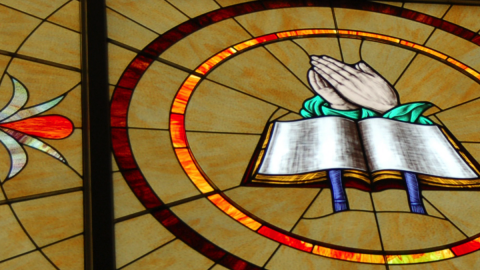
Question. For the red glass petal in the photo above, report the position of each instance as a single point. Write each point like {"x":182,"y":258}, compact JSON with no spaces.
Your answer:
{"x":49,"y":127}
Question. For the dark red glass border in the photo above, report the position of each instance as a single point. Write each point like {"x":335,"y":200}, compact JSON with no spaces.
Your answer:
{"x":133,"y":73}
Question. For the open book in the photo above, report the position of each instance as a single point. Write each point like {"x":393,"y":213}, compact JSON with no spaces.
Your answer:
{"x":372,"y":154}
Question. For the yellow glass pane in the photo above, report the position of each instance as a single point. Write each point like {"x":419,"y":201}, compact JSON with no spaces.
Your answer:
{"x":163,"y":19}
{"x":223,"y":157}
{"x":194,"y":49}
{"x":70,"y":107}
{"x":358,"y":199}
{"x":42,"y":174}
{"x":353,"y":229}
{"x":278,"y":85}
{"x":44,"y":82}
{"x":71,"y":149}
{"x":125,"y":202}
{"x":54,"y":43}
{"x":320,"y":46}
{"x":214,"y":107}
{"x":127,"y":31}
{"x":389,"y":61}
{"x":193,"y":9}
{"x":53,"y":218}
{"x":279,"y":206}
{"x":38,"y":8}
{"x":382,"y":24}
{"x":391,"y":200}
{"x":427,"y":79}
{"x":68,"y":16}
{"x":461,"y":207}
{"x":288,"y":258}
{"x":138,"y":236}
{"x":67,"y":254}
{"x":222,"y":230}
{"x":465,"y":16}
{"x":406,"y":231}
{"x":16,"y":26}
{"x":436,"y":10}
{"x":154,"y":155}
{"x":14,"y":240}
{"x":462,"y":121}
{"x":153,"y":96}
{"x":175,"y":256}
{"x":350,"y":50}
{"x":469,"y":261}
{"x":321,"y":206}
{"x":276,"y":20}
{"x":118,"y":60}
{"x":34,"y":260}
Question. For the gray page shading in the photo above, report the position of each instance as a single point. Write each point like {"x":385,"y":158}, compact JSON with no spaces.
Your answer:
{"x":394,"y":145}
{"x":313,"y":145}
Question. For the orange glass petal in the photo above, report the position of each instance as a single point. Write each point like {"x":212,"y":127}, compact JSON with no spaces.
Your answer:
{"x":49,"y":127}
{"x":192,"y":171}
{"x":284,"y":239}
{"x":177,"y":130}
{"x":183,"y":95}
{"x":213,"y":61}
{"x":348,"y":256}
{"x":233,"y":212}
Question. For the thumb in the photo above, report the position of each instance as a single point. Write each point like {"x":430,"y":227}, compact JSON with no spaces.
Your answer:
{"x":362,"y":66}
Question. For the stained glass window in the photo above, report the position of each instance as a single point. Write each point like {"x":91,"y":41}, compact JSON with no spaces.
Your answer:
{"x":242,"y":134}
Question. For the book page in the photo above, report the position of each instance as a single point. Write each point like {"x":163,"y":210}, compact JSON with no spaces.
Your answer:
{"x":394,"y":145}
{"x":313,"y":145}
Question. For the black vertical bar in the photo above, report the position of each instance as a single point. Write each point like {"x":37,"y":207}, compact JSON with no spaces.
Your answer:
{"x":98,"y":194}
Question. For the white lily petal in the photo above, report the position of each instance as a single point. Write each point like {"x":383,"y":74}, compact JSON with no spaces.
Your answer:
{"x":19,"y":98}
{"x":18,"y":156}
{"x":28,"y":112}
{"x":35,"y":144}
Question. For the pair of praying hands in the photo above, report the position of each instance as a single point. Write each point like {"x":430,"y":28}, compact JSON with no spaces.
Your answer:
{"x":350,"y":88}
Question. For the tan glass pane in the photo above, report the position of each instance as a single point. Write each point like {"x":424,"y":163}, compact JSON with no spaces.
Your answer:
{"x":431,"y":211}
{"x":264,"y":22}
{"x":4,"y":165}
{"x":127,"y":31}
{"x":289,"y":258}
{"x":223,"y":157}
{"x":321,"y":206}
{"x":436,"y":10}
{"x":68,"y":16}
{"x":404,"y":231}
{"x":389,"y":3}
{"x":54,"y":43}
{"x":153,"y":96}
{"x":225,"y":3}
{"x":193,"y":9}
{"x":14,"y":240}
{"x":16,"y":26}
{"x":136,"y":237}
{"x":34,"y":260}
{"x":473,"y":149}
{"x":118,"y":59}
{"x":70,"y":107}
{"x":67,"y":254}
{"x":214,"y":107}
{"x":466,"y":16}
{"x":114,"y":164}
{"x":192,"y":50}
{"x":154,"y":154}
{"x":51,"y":219}
{"x":382,"y":24}
{"x":219,"y":267}
{"x":359,"y":200}
{"x":44,"y":82}
{"x":350,"y":228}
{"x":71,"y":149}
{"x":42,"y":174}
{"x":125,"y":202}
{"x":278,"y":85}
{"x":389,"y":61}
{"x":38,"y":8}
{"x":350,"y":50}
{"x":391,"y":200}
{"x":462,"y":121}
{"x":279,"y":113}
{"x":427,"y":79}
{"x":281,"y":207}
{"x":222,"y":230}
{"x":4,"y":60}
{"x":175,"y":256}
{"x":320,"y":46}
{"x":456,"y":47}
{"x":291,"y":117}
{"x":156,"y":15}
{"x":461,"y":207}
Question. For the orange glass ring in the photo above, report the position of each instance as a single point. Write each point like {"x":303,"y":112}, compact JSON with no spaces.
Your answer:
{"x":200,"y":179}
